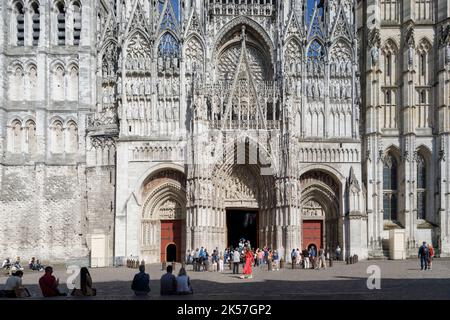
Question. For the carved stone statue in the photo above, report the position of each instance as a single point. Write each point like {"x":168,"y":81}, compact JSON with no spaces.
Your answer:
{"x":374,"y":53}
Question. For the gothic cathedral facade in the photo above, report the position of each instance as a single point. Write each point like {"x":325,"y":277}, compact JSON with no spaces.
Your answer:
{"x":144,"y":127}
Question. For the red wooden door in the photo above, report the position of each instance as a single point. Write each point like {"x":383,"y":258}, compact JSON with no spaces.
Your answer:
{"x":312,"y":233}
{"x":171,"y":234}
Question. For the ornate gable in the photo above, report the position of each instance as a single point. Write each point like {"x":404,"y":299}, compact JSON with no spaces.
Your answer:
{"x":293,"y":27}
{"x":193,"y":25}
{"x":138,"y":19}
{"x":341,"y":29}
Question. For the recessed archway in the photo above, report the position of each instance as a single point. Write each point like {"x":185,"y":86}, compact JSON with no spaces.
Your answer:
{"x":320,"y":210}
{"x":163,"y":221}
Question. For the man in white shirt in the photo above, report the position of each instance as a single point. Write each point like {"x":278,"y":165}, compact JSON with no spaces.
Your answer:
{"x":14,"y":288}
{"x":236,"y":261}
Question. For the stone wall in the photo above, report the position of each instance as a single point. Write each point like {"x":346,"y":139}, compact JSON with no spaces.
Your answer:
{"x":42,"y":212}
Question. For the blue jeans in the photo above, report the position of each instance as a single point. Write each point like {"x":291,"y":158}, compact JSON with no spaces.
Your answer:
{"x":423,"y":262}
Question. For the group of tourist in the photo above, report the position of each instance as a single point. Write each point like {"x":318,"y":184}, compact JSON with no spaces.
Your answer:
{"x":170,"y":285}
{"x":49,"y":284}
{"x":10,"y":267}
{"x":309,"y":258}
{"x":201,"y":260}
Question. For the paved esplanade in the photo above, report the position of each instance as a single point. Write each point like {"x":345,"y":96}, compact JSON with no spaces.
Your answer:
{"x":399,"y":280}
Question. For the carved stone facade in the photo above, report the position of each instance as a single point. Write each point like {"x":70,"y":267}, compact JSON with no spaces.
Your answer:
{"x":153,"y":119}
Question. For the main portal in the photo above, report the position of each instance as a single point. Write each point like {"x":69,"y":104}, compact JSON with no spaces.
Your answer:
{"x":242,"y":224}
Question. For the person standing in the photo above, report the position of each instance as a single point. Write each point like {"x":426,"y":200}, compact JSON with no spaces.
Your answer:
{"x":338,"y":253}
{"x":312,"y":256}
{"x":293,"y":258}
{"x":197,"y":260}
{"x":276,"y":259}
{"x":322,"y":260}
{"x":305,"y":255}
{"x":430,"y":256}
{"x":248,"y":264}
{"x":141,"y":282}
{"x":236,"y":261}
{"x":221,"y":262}
{"x":423,"y":256}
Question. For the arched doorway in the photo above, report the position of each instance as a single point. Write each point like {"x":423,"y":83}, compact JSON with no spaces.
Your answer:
{"x":171,"y":253}
{"x":320,"y":207}
{"x":163,"y":223}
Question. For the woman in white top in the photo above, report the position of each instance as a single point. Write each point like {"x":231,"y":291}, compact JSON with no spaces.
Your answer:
{"x":183,"y":283}
{"x":221,"y":263}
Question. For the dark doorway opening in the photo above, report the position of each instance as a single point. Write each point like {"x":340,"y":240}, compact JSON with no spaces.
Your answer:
{"x":171,"y":253}
{"x":242,"y":224}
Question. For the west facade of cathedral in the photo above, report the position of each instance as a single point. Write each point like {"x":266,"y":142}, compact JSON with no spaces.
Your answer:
{"x":147,"y":128}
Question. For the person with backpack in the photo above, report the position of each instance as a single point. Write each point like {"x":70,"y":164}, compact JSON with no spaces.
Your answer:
{"x":423,"y":255}
{"x":430,"y":256}
{"x":293,"y":258}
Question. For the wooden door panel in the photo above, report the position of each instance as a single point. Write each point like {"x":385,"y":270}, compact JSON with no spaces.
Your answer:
{"x":312,"y":233}
{"x":171,"y":232}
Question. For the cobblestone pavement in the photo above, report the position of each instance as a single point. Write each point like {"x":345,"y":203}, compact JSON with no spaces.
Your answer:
{"x":399,"y":280}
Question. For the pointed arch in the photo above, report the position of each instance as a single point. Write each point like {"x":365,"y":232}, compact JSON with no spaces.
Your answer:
{"x":194,"y":53}
{"x":36,"y":21}
{"x":251,"y":25}
{"x":391,"y":183}
{"x":293,"y":56}
{"x":138,"y":52}
{"x":71,"y":136}
{"x":57,"y":136}
{"x":16,"y":80}
{"x":424,"y":185}
{"x":316,"y":49}
{"x":31,"y":80}
{"x":58,"y":73}
{"x":30,"y":136}
{"x":16,"y":136}
{"x":171,"y":38}
{"x":72,"y":81}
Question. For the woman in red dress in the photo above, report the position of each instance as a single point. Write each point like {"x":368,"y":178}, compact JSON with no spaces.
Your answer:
{"x":248,"y":264}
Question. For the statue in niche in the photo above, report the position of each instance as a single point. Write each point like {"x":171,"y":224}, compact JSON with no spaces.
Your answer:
{"x":142,"y":87}
{"x":141,"y":110}
{"x":298,"y":69}
{"x":410,"y":56}
{"x":147,"y":86}
{"x":168,"y":112}
{"x":349,"y":69}
{"x":160,"y":113}
{"x":348,"y":93}
{"x":129,"y":113}
{"x":160,"y":64}
{"x":119,"y":86}
{"x":374,"y":53}
{"x":333,"y":69}
{"x":135,"y":87}
{"x":174,"y":88}
{"x":166,"y":90}
{"x":136,"y":110}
